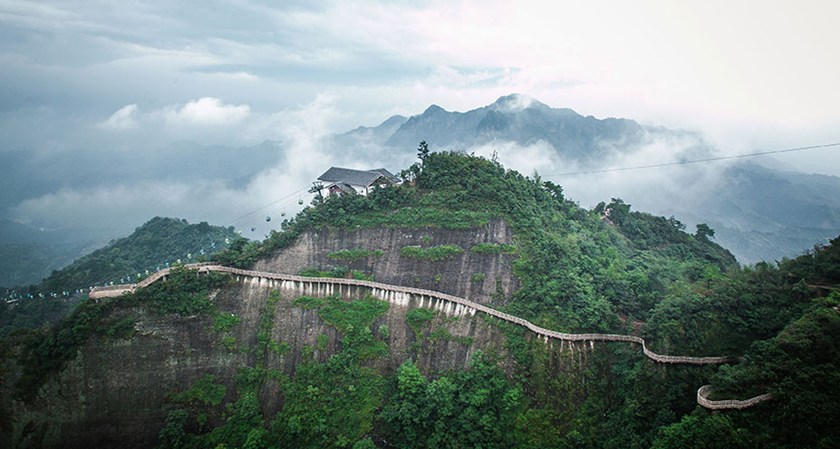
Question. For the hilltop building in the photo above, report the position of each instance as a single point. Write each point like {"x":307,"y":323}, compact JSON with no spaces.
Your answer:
{"x":339,"y":181}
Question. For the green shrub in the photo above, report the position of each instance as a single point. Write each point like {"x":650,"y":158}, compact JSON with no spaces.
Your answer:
{"x":204,"y":391}
{"x":185,"y":292}
{"x":352,"y":255}
{"x":361,"y":275}
{"x":486,"y":248}
{"x":229,"y":342}
{"x":322,"y":341}
{"x":433,"y":253}
{"x":418,"y":318}
{"x":308,"y":302}
{"x":338,"y":272}
{"x":224,"y":322}
{"x":123,"y":329}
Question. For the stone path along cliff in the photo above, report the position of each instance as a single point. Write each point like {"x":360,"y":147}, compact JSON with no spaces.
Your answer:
{"x":446,"y":303}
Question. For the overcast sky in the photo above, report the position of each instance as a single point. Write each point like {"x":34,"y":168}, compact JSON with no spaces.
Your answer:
{"x":104,"y":75}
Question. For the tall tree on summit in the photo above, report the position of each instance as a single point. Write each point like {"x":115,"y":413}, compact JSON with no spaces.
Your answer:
{"x":423,"y":151}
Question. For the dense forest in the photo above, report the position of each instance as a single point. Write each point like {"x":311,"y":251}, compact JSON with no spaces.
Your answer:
{"x":611,"y":269}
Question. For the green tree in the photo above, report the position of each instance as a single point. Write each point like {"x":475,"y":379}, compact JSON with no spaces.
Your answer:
{"x":703,"y":432}
{"x":473,"y":408}
{"x":704,"y":232}
{"x":423,"y":151}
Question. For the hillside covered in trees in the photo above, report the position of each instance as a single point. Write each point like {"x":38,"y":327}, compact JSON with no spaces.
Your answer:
{"x":614,"y":269}
{"x":154,"y":245}
{"x":611,"y":269}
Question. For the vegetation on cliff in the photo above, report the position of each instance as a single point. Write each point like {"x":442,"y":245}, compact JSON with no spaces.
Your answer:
{"x":615,"y":269}
{"x":609,"y":269}
{"x":331,"y":404}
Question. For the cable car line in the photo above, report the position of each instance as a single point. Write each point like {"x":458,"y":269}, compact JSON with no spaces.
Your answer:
{"x":261,"y":208}
{"x":696,"y":161}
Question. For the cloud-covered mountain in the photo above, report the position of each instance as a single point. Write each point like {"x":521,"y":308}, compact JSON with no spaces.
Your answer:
{"x":521,"y":120}
{"x":759,"y":212}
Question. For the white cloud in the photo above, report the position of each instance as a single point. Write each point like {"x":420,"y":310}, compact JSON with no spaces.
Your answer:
{"x":667,"y":190}
{"x":123,"y":206}
{"x":206,"y":120}
{"x":272,"y":191}
{"x":124,"y":118}
{"x":540,"y":157}
{"x":206,"y":111}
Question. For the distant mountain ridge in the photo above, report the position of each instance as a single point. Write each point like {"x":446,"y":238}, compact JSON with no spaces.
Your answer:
{"x":769,"y":213}
{"x":514,"y":118}
{"x":522,"y":120}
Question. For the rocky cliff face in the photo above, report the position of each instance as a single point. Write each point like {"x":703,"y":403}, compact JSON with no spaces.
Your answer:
{"x":116,"y":391}
{"x":481,"y":277}
{"x":113,"y":393}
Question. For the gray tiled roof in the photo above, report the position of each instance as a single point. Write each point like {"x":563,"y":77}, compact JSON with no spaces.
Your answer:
{"x":343,"y":186}
{"x":354,"y":177}
{"x":386,"y":174}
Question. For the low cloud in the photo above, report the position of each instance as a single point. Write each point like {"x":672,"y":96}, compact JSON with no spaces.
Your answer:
{"x":540,"y":157}
{"x":268,"y":191}
{"x":206,"y":111}
{"x":124,"y":118}
{"x":668,"y":190}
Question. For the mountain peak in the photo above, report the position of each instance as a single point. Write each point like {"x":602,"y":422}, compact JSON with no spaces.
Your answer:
{"x":515,"y":103}
{"x":433,"y":109}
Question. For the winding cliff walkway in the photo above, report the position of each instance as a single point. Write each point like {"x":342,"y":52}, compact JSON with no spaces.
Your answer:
{"x":448,"y":304}
{"x":728,"y":404}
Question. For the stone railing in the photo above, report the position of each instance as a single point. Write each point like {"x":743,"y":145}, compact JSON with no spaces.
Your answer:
{"x":110,"y":291}
{"x":471,"y":307}
{"x":440,"y":301}
{"x":728,"y":404}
